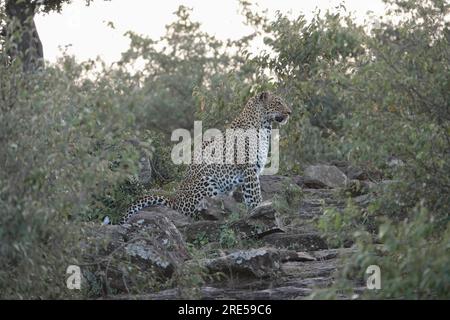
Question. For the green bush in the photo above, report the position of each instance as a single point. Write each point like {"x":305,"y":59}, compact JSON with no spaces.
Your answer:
{"x":399,"y":108}
{"x":368,"y":95}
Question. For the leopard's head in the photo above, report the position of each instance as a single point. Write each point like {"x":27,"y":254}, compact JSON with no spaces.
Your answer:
{"x":275,"y":109}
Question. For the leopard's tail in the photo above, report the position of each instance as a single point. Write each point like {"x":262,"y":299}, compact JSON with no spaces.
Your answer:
{"x":147,"y":201}
{"x":140,"y":204}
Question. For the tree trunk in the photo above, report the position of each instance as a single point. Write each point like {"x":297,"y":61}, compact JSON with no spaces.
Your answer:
{"x":23,"y":34}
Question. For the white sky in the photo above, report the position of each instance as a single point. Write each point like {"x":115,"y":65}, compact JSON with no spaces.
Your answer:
{"x":86,"y":30}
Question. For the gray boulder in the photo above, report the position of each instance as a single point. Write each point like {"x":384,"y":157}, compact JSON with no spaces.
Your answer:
{"x":149,"y":247}
{"x":252,"y":263}
{"x":329,"y":176}
{"x":153,"y":241}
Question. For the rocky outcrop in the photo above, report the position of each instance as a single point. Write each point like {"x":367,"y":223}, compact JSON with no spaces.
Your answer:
{"x":153,"y":241}
{"x":151,"y":244}
{"x":297,"y":277}
{"x":276,"y":252}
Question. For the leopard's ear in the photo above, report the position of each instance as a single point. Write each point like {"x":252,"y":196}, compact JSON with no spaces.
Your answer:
{"x":264,"y":96}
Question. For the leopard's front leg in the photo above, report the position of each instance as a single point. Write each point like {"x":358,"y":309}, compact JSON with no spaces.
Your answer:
{"x":251,"y":188}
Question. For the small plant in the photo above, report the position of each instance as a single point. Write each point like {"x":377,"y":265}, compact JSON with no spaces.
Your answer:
{"x":228,"y":237}
{"x":201,"y":239}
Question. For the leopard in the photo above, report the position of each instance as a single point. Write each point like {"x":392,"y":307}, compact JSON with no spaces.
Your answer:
{"x":209,"y":179}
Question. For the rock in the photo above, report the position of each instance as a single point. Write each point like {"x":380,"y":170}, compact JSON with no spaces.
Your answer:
{"x":292,"y":255}
{"x":261,"y":221}
{"x":363,"y":200}
{"x":355,"y":173}
{"x":294,"y":259}
{"x":311,"y":208}
{"x":253,"y":263}
{"x":299,"y":275}
{"x":313,"y":183}
{"x":150,"y":245}
{"x":351,"y":171}
{"x":154,"y":241}
{"x":310,"y":270}
{"x":329,"y":254}
{"x":202,"y":230}
{"x":307,"y":182}
{"x":213,"y":293}
{"x":301,"y":241}
{"x":272,"y":185}
{"x":330,"y":176}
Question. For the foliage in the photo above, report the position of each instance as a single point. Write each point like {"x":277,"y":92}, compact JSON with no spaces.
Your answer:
{"x":399,"y":108}
{"x":72,"y":136}
{"x":228,"y":238}
{"x":367,"y":95}
{"x":174,"y":68}
{"x":76,"y":138}
{"x":311,"y":62}
{"x":63,"y":139}
{"x":42,"y":5}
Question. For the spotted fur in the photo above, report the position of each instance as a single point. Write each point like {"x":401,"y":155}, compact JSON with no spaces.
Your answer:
{"x":210,"y":180}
